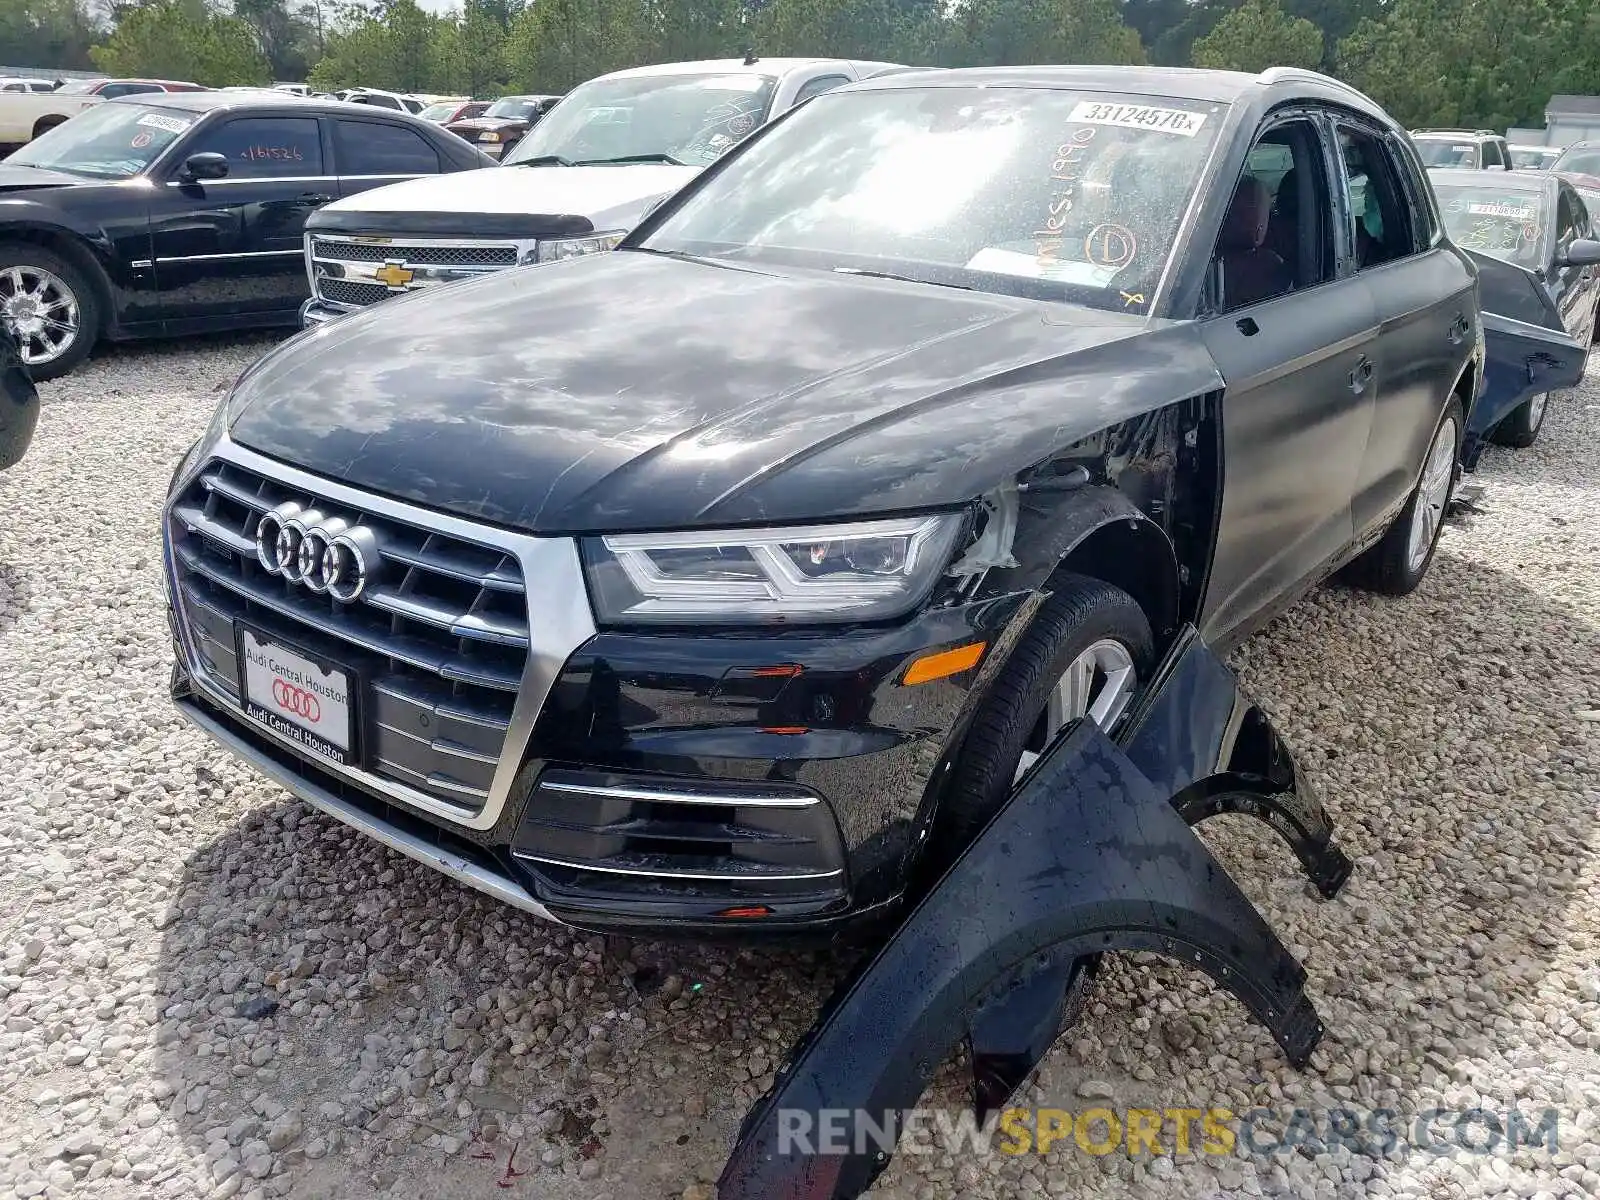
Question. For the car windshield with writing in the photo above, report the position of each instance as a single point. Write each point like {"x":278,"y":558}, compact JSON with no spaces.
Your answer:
{"x":1438,"y":152}
{"x":687,"y":119}
{"x":1506,"y":222}
{"x":1053,"y":194}
{"x":109,"y":141}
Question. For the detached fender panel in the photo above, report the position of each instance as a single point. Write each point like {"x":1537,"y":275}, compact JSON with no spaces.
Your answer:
{"x":1088,"y":856}
{"x":19,"y":402}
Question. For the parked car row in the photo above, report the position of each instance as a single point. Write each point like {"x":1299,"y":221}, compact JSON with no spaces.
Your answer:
{"x":732,"y":579}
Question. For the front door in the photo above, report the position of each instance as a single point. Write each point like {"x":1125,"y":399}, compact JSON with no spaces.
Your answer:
{"x":233,"y":247}
{"x":1294,"y":344}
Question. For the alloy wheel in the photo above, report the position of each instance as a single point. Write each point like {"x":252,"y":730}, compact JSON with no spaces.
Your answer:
{"x":1098,"y":683}
{"x":41,"y":310}
{"x":1433,"y":493}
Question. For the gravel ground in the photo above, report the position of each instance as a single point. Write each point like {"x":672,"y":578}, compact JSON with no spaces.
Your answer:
{"x":206,"y":989}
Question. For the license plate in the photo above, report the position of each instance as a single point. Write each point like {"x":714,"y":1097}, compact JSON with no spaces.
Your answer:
{"x":308,"y":702}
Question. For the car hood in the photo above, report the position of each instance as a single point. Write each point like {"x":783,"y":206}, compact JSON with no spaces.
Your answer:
{"x":475,"y":124}
{"x":631,"y":391}
{"x":582,"y":191}
{"x":22,"y":179}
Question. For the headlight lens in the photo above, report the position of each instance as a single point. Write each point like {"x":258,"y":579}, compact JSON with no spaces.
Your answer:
{"x":866,"y":570}
{"x":559,"y":248}
{"x":489,"y":135}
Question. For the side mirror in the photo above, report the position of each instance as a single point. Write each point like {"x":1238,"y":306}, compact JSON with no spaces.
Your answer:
{"x":206,"y":165}
{"x":1585,"y":252}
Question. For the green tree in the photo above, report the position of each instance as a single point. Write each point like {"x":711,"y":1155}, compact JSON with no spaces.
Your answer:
{"x":557,"y":44}
{"x":1259,"y":35}
{"x":172,"y":41}
{"x":46,"y":33}
{"x":990,"y":32}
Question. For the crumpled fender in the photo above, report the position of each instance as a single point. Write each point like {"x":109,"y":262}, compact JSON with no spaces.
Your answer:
{"x":1527,"y":350}
{"x":1089,"y":855}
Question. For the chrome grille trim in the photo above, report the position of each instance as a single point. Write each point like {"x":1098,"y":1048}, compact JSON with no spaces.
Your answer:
{"x":343,"y":268}
{"x":653,"y":872}
{"x":667,"y":796}
{"x":564,"y":623}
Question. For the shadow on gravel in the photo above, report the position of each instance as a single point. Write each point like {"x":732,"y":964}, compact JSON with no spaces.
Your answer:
{"x":334,"y":1011}
{"x":16,"y":594}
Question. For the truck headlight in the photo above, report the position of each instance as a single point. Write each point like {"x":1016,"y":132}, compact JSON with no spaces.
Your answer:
{"x":862,"y":571}
{"x":556,"y":249}
{"x":488,"y":135}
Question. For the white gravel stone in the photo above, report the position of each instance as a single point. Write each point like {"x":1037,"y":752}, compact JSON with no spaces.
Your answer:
{"x":208,"y":990}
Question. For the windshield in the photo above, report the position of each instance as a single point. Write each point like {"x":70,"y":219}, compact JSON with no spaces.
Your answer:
{"x":438,"y":112}
{"x":519,"y":110}
{"x":1532,"y":158}
{"x":80,"y":85}
{"x":109,"y":141}
{"x":1060,"y":195}
{"x":1501,"y":221}
{"x":692,"y":119}
{"x":1580,"y":161}
{"x":1436,"y":153}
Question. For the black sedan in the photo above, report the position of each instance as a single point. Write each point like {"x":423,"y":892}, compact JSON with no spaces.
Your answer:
{"x":171,"y":214}
{"x":1535,"y":221}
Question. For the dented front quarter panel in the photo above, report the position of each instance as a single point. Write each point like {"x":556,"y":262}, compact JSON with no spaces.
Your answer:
{"x":1092,"y":853}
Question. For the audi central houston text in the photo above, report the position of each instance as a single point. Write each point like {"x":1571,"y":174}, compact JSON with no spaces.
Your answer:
{"x":748,"y":579}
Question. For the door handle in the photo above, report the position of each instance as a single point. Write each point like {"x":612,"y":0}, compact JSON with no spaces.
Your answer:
{"x":1361,"y":375}
{"x":1248,"y":326}
{"x":314,"y":198}
{"x":1458,"y":329}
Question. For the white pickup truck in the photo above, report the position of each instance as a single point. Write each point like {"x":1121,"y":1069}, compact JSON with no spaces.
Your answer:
{"x":25,"y":115}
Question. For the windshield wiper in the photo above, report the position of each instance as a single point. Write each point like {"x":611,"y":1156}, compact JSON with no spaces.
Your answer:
{"x":544,"y":160}
{"x":631,"y":158}
{"x":900,"y":278}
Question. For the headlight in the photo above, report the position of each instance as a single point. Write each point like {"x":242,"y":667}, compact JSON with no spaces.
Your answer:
{"x":559,"y":248}
{"x":863,"y":571}
{"x":181,"y":471}
{"x":488,"y":135}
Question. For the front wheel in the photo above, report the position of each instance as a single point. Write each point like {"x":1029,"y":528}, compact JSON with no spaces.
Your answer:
{"x":53,"y":310}
{"x":1520,"y":428}
{"x":1086,"y":654}
{"x":1397,"y":564}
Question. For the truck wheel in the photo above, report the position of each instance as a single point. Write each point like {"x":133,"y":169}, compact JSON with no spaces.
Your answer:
{"x":1520,"y":428}
{"x":1086,"y":654}
{"x":51,"y":307}
{"x":1397,"y":564}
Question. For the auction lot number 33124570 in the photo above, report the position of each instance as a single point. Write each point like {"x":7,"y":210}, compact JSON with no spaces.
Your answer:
{"x":295,"y":697}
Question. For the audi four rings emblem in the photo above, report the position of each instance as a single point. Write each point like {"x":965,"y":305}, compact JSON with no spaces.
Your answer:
{"x":326,"y":553}
{"x":296,"y":700}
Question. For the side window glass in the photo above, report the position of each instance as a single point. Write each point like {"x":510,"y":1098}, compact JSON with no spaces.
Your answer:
{"x":1491,"y":155}
{"x":1276,"y":236}
{"x":815,"y":87}
{"x":368,"y":148}
{"x":1566,"y":219}
{"x":1383,"y":229}
{"x":112,"y":90}
{"x":265,"y":147}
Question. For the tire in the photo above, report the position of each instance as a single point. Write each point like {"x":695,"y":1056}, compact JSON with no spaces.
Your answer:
{"x":67,"y":290}
{"x":1520,"y":427}
{"x":1392,"y":567}
{"x":1081,"y":613}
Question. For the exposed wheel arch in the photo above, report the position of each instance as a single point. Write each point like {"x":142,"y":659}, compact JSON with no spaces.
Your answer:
{"x":76,"y":251}
{"x":46,"y":124}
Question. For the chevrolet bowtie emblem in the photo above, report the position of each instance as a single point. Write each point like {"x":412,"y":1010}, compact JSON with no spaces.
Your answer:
{"x":394,"y":274}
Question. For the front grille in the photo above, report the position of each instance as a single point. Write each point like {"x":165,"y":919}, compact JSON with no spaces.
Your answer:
{"x":438,"y":640}
{"x":435,"y":256}
{"x":349,"y":291}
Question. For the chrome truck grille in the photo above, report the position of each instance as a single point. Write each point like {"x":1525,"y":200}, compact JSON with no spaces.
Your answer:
{"x":349,"y":271}
{"x":448,"y":671}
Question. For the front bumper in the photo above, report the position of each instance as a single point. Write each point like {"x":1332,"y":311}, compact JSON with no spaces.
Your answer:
{"x":314,"y":312}
{"x":764,"y":781}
